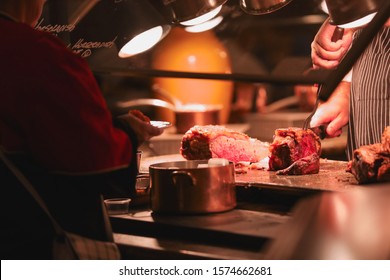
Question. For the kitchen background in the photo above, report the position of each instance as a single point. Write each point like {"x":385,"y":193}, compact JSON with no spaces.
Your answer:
{"x":276,"y":43}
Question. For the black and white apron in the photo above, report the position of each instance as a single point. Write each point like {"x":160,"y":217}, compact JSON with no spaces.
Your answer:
{"x":370,"y":94}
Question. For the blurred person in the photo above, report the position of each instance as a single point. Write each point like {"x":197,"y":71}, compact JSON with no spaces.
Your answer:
{"x":363,"y":102}
{"x":56,"y":128}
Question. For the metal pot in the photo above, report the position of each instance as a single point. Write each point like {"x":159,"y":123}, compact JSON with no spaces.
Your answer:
{"x":192,"y":187}
{"x":186,"y":116}
{"x":196,"y":114}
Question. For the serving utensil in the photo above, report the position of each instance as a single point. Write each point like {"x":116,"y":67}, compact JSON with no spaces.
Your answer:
{"x":161,"y":124}
{"x":186,"y":116}
{"x":306,"y":123}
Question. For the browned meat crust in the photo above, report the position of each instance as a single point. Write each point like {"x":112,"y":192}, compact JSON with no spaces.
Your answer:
{"x":386,"y":141}
{"x":295,"y":151}
{"x":370,"y":165}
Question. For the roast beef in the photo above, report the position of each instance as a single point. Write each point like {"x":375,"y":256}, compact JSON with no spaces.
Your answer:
{"x":386,"y":141}
{"x":295,"y":151}
{"x":371,"y":163}
{"x":216,"y":141}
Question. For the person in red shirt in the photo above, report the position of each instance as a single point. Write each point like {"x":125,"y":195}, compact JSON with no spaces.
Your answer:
{"x":56,"y":127}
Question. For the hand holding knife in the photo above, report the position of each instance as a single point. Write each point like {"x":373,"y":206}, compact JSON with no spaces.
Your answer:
{"x":321,"y":130}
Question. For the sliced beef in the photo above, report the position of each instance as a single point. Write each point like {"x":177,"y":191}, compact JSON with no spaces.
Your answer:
{"x":371,"y":163}
{"x":295,"y":151}
{"x":215,"y":141}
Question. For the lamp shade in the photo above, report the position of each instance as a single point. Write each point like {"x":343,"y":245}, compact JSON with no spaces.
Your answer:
{"x":140,"y":26}
{"x":184,"y":11}
{"x":210,"y":24}
{"x":261,"y":7}
{"x":349,"y":13}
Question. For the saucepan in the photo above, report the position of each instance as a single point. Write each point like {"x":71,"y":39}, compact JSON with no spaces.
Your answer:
{"x":186,"y":115}
{"x":192,"y":187}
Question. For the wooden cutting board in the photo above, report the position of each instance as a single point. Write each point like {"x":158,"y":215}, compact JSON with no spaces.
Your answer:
{"x":332,"y":176}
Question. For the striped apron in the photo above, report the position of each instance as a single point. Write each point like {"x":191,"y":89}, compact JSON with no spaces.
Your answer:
{"x":370,"y":94}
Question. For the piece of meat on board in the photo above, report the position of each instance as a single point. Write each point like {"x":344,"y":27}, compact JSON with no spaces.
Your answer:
{"x":371,"y":163}
{"x":386,"y":141}
{"x":306,"y":165}
{"x":216,"y":141}
{"x":295,"y":151}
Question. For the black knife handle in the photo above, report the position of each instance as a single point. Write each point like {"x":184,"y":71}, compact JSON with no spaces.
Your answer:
{"x":337,"y":34}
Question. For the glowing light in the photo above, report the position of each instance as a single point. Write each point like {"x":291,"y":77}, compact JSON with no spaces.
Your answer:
{"x":191,"y":59}
{"x":205,"y":26}
{"x":142,"y":42}
{"x":358,"y":23}
{"x":196,"y":107}
{"x":202,"y":18}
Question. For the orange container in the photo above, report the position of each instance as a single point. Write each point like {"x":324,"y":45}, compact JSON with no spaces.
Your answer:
{"x":193,"y":52}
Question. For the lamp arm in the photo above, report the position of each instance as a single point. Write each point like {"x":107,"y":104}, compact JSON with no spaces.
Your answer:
{"x":365,"y":38}
{"x":317,"y":76}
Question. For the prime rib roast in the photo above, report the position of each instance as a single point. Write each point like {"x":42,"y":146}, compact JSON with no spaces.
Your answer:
{"x":295,"y":151}
{"x":216,"y":141}
{"x":371,"y":163}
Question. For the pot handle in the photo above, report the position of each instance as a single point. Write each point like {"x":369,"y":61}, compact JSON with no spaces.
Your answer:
{"x":183,"y":178}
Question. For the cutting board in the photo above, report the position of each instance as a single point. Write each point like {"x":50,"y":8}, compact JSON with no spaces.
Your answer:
{"x":332,"y":176}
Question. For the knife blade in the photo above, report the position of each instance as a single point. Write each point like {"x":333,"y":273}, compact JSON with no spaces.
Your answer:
{"x":306,"y":123}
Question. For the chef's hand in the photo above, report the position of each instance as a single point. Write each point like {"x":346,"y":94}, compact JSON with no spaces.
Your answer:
{"x":334,"y":112}
{"x":144,"y":130}
{"x":324,"y":52}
